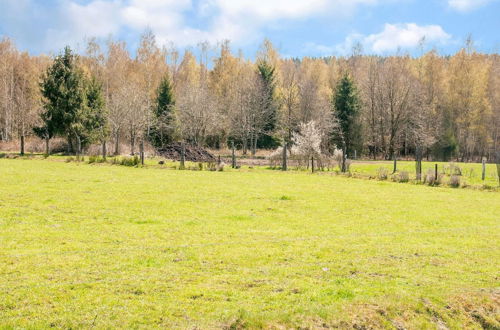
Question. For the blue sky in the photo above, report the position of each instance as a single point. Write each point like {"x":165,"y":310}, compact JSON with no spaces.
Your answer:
{"x":296,"y":27}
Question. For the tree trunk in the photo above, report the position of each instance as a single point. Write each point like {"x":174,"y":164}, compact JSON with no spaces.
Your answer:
{"x":104,"y":149}
{"x":245,"y":146}
{"x":344,"y":157}
{"x":78,"y":147}
{"x":183,"y":156}
{"x":117,"y":143}
{"x":132,"y":144}
{"x":22,"y":145}
{"x":254,"y":147}
{"x":251,"y":143}
{"x":284,"y":164}
{"x":233,"y":156}
{"x":47,"y":146}
{"x":141,"y":148}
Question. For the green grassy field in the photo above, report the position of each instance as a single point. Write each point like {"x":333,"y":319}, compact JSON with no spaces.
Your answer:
{"x":113,"y":246}
{"x":471,"y":172}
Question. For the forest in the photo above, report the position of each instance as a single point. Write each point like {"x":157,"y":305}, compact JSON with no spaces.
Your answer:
{"x":446,"y":107}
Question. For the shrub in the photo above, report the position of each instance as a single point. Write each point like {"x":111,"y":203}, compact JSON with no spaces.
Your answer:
{"x":275,"y":158}
{"x":402,"y":176}
{"x":220,"y":167}
{"x":382,"y":173}
{"x":429,"y":177}
{"x":130,"y":161}
{"x":452,"y":169}
{"x":96,"y":159}
{"x":211,"y":166}
{"x":455,"y":181}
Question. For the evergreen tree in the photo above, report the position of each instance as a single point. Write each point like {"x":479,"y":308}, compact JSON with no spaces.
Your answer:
{"x":73,"y":106}
{"x":96,"y":122}
{"x":346,"y":108}
{"x":162,"y":131}
{"x":268,"y":103}
{"x":446,"y":145}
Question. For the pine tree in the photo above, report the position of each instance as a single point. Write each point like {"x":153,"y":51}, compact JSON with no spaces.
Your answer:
{"x":346,"y":108}
{"x":96,"y":121}
{"x":73,"y":106}
{"x":268,"y":103}
{"x":162,"y":131}
{"x":63,"y":90}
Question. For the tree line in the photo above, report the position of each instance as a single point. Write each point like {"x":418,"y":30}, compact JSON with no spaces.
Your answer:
{"x":442,"y":107}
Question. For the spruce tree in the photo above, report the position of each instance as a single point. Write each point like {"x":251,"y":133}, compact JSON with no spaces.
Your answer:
{"x":268,"y":103}
{"x":73,"y":106}
{"x":346,"y":107}
{"x":161,"y":133}
{"x":96,"y":123}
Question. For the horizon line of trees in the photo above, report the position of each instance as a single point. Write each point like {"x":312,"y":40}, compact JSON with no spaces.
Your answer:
{"x":442,"y":107}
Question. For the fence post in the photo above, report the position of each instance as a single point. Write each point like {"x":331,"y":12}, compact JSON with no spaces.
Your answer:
{"x":233,"y":157}
{"x":395,"y":165}
{"x":312,"y":164}
{"x":141,"y":151}
{"x":355,"y":154}
{"x":436,"y":172}
{"x":284,"y":164}
{"x":183,"y":156}
{"x":483,"y":176}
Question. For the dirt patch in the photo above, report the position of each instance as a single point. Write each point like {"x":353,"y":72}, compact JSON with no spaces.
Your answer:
{"x":192,"y":153}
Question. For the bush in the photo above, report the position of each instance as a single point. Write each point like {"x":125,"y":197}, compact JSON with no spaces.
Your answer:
{"x":211,"y":166}
{"x":402,"y":176}
{"x":452,"y":169}
{"x":126,"y":161}
{"x":429,"y":177}
{"x":220,"y":167}
{"x":455,"y":181}
{"x":382,"y":173}
{"x":96,"y":159}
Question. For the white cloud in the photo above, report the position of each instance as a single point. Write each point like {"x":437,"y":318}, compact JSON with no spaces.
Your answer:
{"x":467,"y":5}
{"x":239,"y":21}
{"x":184,"y":22}
{"x":394,"y":37}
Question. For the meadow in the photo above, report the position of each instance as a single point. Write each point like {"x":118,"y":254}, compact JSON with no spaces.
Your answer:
{"x":105,"y":246}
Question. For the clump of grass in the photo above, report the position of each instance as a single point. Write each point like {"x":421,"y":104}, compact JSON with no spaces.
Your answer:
{"x":402,"y":176}
{"x":382,"y":173}
{"x":454,"y":181}
{"x":211,"y":166}
{"x":70,"y":159}
{"x":430,"y":178}
{"x":126,"y":161}
{"x":130,"y":161}
{"x":96,"y":159}
{"x":452,"y":169}
{"x":285,"y":198}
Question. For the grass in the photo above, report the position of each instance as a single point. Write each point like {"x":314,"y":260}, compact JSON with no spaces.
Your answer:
{"x":471,"y":172}
{"x":113,"y":246}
